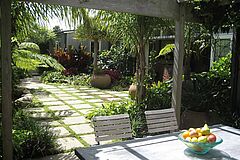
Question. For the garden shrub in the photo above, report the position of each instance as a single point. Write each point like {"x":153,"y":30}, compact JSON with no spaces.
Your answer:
{"x":158,"y":96}
{"x":58,"y":77}
{"x":30,"y":138}
{"x":114,"y":108}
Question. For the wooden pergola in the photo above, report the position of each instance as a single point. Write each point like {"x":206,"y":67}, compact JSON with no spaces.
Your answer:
{"x":172,"y":9}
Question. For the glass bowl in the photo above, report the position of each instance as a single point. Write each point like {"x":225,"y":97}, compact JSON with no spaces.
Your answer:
{"x":198,"y":147}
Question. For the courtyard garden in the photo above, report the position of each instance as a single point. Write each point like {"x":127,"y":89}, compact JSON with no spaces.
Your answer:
{"x":58,"y":87}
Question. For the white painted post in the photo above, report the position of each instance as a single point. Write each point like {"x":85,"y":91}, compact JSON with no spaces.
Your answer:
{"x":178,"y":62}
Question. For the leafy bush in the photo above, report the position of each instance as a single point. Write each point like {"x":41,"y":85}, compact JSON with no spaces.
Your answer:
{"x":158,"y":96}
{"x":122,"y":84}
{"x":122,"y":107}
{"x":58,"y":77}
{"x":209,"y":90}
{"x":117,"y":58}
{"x":30,"y":138}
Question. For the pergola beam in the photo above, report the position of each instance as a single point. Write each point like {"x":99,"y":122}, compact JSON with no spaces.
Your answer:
{"x":154,"y":8}
{"x":6,"y":76}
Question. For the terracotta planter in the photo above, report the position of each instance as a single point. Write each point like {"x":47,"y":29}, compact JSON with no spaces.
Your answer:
{"x":101,"y":81}
{"x":132,"y":91}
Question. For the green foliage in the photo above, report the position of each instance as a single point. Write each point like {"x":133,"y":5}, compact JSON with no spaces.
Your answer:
{"x":167,"y":49}
{"x":209,"y":90}
{"x":122,"y":84}
{"x":158,"y":96}
{"x":27,"y":57}
{"x":122,"y":107}
{"x":29,"y":46}
{"x":30,"y":138}
{"x":58,"y":77}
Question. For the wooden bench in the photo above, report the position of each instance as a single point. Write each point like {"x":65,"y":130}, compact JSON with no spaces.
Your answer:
{"x":161,"y":120}
{"x":112,"y":127}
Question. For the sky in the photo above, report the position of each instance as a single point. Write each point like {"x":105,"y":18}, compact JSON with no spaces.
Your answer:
{"x":58,"y":22}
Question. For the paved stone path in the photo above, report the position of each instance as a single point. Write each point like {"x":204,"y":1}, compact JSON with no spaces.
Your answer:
{"x":65,"y":108}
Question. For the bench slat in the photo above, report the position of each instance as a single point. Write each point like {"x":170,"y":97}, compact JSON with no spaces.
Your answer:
{"x":104,"y":128}
{"x":128,"y":135}
{"x":111,"y":122}
{"x":114,"y":132}
{"x":159,"y":111}
{"x":156,"y":116}
{"x":113,"y":117}
{"x":161,"y":125}
{"x":156,"y":130}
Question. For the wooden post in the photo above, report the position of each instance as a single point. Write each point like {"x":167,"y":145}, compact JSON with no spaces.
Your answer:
{"x":236,"y":70}
{"x":6,"y":79}
{"x":178,"y":63}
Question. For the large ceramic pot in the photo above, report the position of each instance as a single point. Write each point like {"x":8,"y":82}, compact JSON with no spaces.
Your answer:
{"x":100,"y":81}
{"x":132,"y":91}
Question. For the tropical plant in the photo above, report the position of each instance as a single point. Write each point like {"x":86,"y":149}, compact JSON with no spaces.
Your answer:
{"x":26,"y":56}
{"x":91,"y":29}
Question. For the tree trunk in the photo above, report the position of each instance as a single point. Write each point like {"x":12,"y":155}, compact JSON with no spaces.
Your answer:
{"x":187,"y":66}
{"x":95,"y":56}
{"x":236,"y":71}
{"x":141,"y":63}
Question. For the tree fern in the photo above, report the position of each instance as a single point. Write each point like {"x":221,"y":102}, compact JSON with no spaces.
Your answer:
{"x":27,"y":57}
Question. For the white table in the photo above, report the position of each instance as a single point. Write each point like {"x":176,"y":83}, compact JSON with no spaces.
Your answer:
{"x":165,"y":147}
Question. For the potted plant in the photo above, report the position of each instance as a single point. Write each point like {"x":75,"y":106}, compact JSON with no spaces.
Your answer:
{"x":100,"y":80}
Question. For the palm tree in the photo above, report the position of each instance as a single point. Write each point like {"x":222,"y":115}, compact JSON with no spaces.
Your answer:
{"x":91,"y":29}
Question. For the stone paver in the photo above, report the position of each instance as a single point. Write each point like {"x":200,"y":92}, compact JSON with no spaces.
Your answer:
{"x":105,"y":96}
{"x":90,"y":139}
{"x":60,"y":131}
{"x":68,"y":107}
{"x":75,"y":120}
{"x":82,"y":128}
{"x":74,"y":102}
{"x":80,"y":106}
{"x":67,"y":98}
{"x":95,"y":100}
{"x":67,"y":113}
{"x":114,"y":99}
{"x":67,"y":143}
{"x":85,"y":111}
{"x":86,"y":97}
{"x":54,"y":103}
{"x":59,"y":108}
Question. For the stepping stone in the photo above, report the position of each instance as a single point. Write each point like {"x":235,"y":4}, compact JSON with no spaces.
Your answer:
{"x":60,"y":131}
{"x":59,"y":108}
{"x":53,"y":123}
{"x":85,"y":111}
{"x":57,"y":92}
{"x":81,"y":94}
{"x":34,"y":110}
{"x":90,"y":139}
{"x":68,"y":143}
{"x":105,"y":96}
{"x":62,"y":86}
{"x":63,"y":95}
{"x":92,"y":90}
{"x":54,"y":103}
{"x":41,"y":115}
{"x":80,"y":106}
{"x":72,"y":91}
{"x":98,"y":104}
{"x":86,"y":97}
{"x":95,"y":100}
{"x":75,"y":120}
{"x":114,"y":99}
{"x":68,"y":98}
{"x":97,"y":93}
{"x":82,"y":128}
{"x":84,"y":88}
{"x":112,"y":92}
{"x":49,"y":87}
{"x":122,"y":95}
{"x":47,"y":99}
{"x":66,"y":113}
{"x":74,"y":102}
